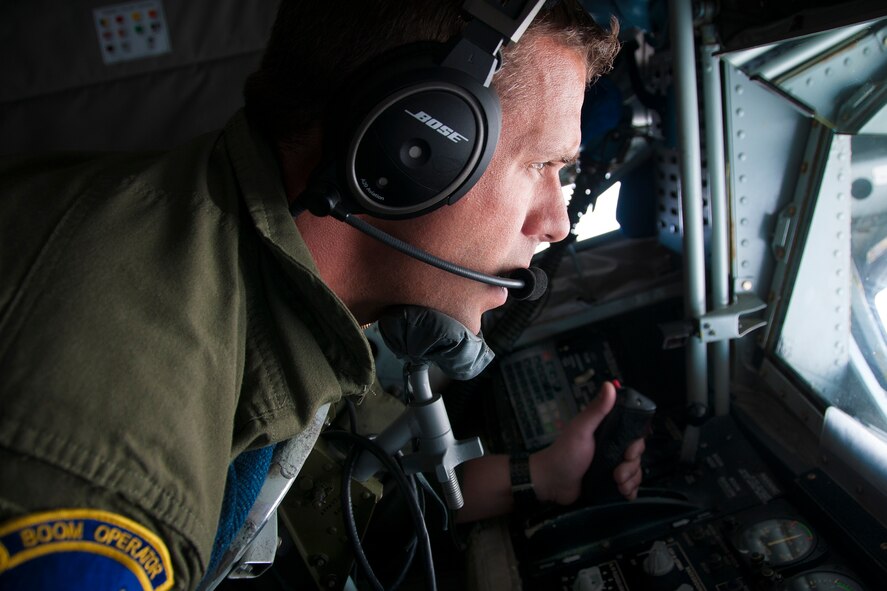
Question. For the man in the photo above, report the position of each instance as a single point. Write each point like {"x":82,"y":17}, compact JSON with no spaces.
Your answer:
{"x":162,"y":314}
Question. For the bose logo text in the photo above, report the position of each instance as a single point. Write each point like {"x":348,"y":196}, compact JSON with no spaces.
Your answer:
{"x":451,"y":134}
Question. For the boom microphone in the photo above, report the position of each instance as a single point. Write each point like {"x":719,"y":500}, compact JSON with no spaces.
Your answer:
{"x":322,"y":199}
{"x":524,"y":284}
{"x":535,"y":283}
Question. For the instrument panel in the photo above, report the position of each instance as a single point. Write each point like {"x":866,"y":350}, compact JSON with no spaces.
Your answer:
{"x":722,"y":523}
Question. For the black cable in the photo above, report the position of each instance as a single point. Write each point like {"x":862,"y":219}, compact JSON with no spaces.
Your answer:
{"x":350,"y":524}
{"x":411,"y":547}
{"x":402,"y":482}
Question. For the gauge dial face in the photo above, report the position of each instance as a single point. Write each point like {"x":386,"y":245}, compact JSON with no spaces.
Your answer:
{"x":822,"y":581}
{"x":779,"y":541}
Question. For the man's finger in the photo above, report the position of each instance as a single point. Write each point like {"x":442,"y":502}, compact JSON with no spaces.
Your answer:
{"x":635,"y":450}
{"x":629,"y":487}
{"x":626,"y":471}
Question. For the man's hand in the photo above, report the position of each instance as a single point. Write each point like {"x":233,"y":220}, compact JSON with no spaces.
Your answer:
{"x":557,"y":470}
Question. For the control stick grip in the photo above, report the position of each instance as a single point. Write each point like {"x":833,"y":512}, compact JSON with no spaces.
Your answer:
{"x":627,"y":421}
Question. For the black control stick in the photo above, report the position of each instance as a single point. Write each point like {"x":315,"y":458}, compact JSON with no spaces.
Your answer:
{"x":628,"y":420}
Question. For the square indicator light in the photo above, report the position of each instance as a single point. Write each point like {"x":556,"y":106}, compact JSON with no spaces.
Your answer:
{"x":130,"y":20}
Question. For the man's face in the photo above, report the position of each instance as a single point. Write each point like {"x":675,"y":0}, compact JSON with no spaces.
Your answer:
{"x":516,"y":204}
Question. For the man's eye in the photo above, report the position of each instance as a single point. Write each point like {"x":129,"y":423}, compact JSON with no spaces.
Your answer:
{"x":539,"y":166}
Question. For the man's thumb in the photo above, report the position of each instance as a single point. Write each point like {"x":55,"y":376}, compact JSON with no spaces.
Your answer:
{"x":601,"y":406}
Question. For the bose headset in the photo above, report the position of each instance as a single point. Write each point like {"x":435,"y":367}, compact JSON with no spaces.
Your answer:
{"x":421,"y":132}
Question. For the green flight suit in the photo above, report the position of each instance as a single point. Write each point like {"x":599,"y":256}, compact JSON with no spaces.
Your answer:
{"x":159,"y":314}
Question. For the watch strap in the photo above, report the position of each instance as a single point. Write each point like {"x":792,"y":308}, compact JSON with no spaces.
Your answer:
{"x":521,"y":484}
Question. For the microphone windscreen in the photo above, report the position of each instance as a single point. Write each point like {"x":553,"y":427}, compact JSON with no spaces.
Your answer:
{"x":535,"y":283}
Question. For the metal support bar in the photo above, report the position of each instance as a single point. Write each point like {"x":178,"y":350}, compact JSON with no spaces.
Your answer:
{"x":720,"y":231}
{"x":681,"y":28}
{"x":807,"y":50}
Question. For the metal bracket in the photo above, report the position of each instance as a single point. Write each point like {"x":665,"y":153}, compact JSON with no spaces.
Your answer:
{"x":718,"y":325}
{"x":730,"y":322}
{"x":784,"y":234}
{"x":259,"y":555}
{"x":289,"y":456}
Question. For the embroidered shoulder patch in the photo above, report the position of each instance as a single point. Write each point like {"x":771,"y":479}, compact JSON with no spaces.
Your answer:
{"x":82,"y":549}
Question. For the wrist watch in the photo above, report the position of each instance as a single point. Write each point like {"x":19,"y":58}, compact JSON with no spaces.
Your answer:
{"x":521,"y":484}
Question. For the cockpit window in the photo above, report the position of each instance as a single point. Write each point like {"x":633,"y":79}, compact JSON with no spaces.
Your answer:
{"x":834,"y":334}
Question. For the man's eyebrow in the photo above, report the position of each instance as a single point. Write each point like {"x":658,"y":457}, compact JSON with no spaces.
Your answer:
{"x":570,"y":160}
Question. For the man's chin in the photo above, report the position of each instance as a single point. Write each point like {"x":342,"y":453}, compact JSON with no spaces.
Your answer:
{"x":468,"y":306}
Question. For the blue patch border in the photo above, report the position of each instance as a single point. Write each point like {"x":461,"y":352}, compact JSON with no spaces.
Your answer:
{"x":15,"y":552}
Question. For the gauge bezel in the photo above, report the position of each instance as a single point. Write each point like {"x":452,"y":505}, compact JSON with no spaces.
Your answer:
{"x":741,"y":545}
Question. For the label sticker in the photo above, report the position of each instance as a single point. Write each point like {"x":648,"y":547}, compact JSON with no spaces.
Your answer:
{"x":82,"y":549}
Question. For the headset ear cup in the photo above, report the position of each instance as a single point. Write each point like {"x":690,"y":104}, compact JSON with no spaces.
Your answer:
{"x":414,"y":137}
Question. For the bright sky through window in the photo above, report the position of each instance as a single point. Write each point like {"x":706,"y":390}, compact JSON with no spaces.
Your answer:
{"x":881,"y":306}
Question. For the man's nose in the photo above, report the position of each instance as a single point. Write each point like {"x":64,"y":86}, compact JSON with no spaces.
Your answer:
{"x":548,"y":221}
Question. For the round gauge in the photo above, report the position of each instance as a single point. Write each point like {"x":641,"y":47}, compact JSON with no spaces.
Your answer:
{"x":779,"y":541}
{"x":822,"y":580}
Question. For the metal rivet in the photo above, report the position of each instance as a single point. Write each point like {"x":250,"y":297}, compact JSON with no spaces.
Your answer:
{"x":740,"y":90}
{"x":742,"y":156}
{"x":744,"y":242}
{"x":740,"y":112}
{"x":743,"y":222}
{"x":742,"y":178}
{"x":743,"y":200}
{"x":745,"y":264}
{"x":746,"y":285}
{"x":811,"y":476}
{"x":740,"y":134}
